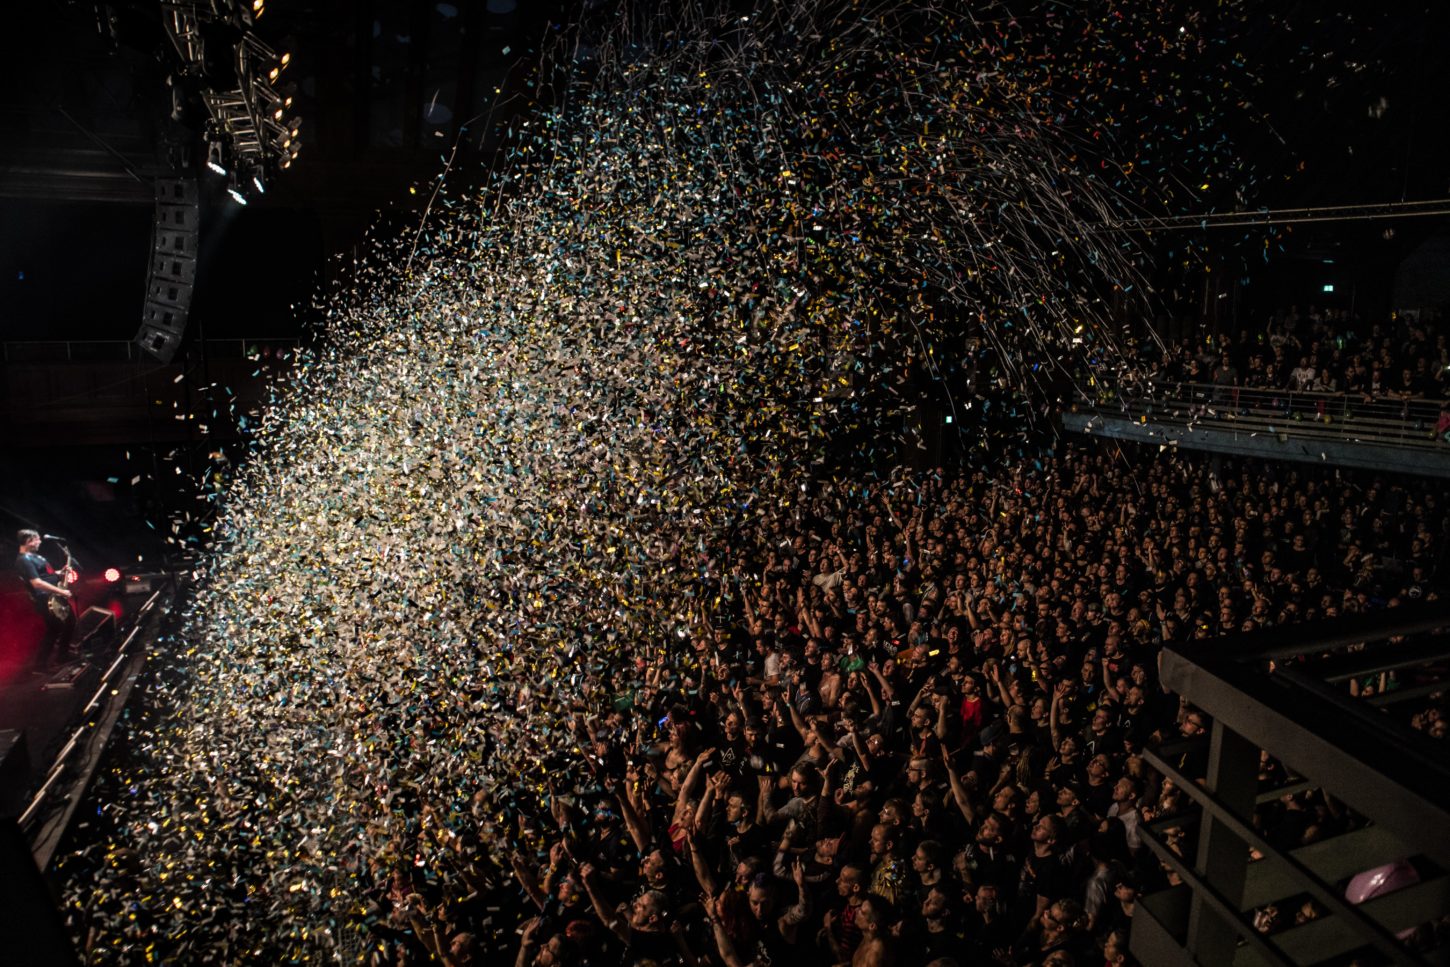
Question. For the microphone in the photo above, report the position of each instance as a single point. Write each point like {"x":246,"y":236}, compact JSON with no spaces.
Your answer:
{"x":52,"y":537}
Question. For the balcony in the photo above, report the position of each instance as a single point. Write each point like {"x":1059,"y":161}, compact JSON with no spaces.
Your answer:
{"x":1331,"y":702}
{"x":1400,"y":435}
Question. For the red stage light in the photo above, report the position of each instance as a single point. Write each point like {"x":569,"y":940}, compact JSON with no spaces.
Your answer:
{"x":112,"y":575}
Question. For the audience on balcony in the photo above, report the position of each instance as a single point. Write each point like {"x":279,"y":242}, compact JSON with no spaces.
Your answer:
{"x":1405,"y":358}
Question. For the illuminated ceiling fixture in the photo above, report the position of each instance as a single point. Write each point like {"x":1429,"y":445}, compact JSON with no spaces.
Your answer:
{"x":247,"y":114}
{"x":214,"y":158}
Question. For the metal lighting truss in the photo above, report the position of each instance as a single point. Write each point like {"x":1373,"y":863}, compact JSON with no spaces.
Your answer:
{"x":244,"y":115}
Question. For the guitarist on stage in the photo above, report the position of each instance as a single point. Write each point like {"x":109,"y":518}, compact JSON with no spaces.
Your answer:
{"x":51,"y":596}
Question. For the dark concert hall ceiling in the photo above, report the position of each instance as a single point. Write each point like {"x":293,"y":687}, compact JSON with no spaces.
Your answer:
{"x":384,"y":84}
{"x":384,"y":87}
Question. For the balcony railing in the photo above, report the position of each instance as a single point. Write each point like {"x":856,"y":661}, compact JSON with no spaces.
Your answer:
{"x":1348,"y":417}
{"x":1286,"y":692}
{"x":124,"y":351}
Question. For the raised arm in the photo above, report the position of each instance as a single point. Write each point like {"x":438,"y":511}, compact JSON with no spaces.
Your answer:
{"x":692,"y":777}
{"x":796,"y":719}
{"x":1001,"y":682}
{"x":528,"y":943}
{"x":959,"y":791}
{"x":861,"y":753}
{"x":801,"y":910}
{"x":634,"y":821}
{"x":703,"y":875}
{"x":426,"y":930}
{"x":528,"y":879}
{"x":617,"y":925}
{"x":943,"y":727}
{"x":723,"y":944}
{"x":1058,"y":691}
{"x":765,"y":813}
{"x":870,"y":695}
{"x":715,"y":786}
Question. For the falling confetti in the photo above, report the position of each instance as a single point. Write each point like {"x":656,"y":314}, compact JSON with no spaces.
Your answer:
{"x":505,"y":487}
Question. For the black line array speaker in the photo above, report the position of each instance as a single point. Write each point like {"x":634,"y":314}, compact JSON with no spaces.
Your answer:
{"x":172,"y":273}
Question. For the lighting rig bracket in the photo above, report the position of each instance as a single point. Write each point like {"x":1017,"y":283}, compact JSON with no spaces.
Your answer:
{"x":237,"y":78}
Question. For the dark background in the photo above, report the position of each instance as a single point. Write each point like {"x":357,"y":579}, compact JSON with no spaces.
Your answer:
{"x":1348,"y":109}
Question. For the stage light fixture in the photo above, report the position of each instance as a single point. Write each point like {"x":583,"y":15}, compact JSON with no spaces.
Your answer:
{"x":287,"y":102}
{"x":286,"y":59}
{"x":277,"y":114}
{"x":257,"y":7}
{"x":256,"y":180}
{"x":237,"y":196}
{"x":112,"y":575}
{"x":274,"y":73}
{"x":214,"y":158}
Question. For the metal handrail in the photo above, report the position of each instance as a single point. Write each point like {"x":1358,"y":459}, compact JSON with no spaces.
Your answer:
{"x":62,"y":759}
{"x":1348,"y":416}
{"x":114,"y":350}
{"x":1325,"y":894}
{"x":1275,"y":691}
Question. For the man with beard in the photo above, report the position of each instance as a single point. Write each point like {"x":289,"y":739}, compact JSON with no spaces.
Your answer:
{"x":731,"y":745}
{"x":989,"y":858}
{"x":729,"y":836}
{"x":641,"y":925}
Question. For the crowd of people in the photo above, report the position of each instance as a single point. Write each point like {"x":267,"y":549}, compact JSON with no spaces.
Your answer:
{"x":1406,"y":357}
{"x":919,"y":738}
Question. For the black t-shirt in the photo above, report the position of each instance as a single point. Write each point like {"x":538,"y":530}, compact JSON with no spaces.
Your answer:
{"x":951,"y":942}
{"x":1047,"y":876}
{"x":1095,"y":799}
{"x":32,"y":566}
{"x":995,"y":865}
{"x":732,"y":755}
{"x":985,"y":938}
{"x":655,"y":946}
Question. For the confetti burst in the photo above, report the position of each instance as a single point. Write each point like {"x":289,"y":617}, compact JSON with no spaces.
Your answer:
{"x":504,"y":490}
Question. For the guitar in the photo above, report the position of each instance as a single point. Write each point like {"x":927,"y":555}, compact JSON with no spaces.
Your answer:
{"x":59,"y":605}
